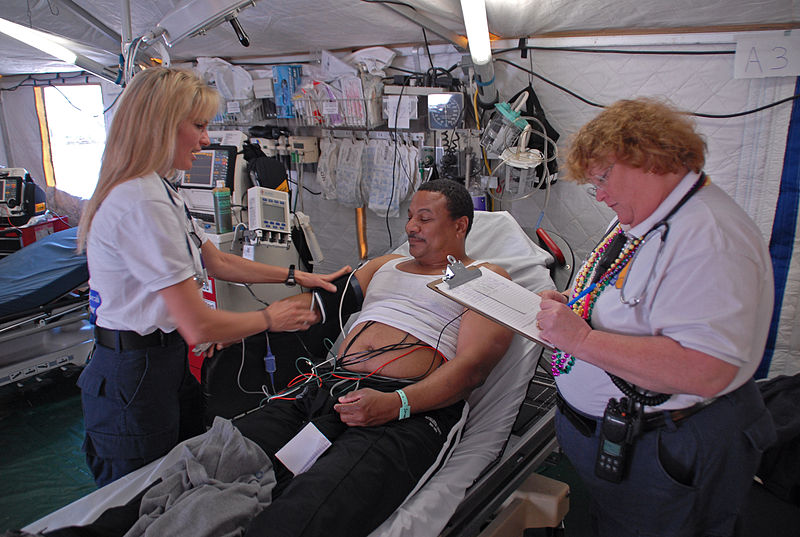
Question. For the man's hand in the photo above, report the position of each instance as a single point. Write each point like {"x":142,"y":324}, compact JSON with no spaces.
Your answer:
{"x":367,"y":407}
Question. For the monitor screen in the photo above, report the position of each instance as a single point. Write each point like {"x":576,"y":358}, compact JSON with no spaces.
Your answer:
{"x":275,"y":213}
{"x":214,"y":163}
{"x":10,"y":189}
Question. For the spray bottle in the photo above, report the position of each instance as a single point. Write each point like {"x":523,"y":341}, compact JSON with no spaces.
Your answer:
{"x":222,"y":208}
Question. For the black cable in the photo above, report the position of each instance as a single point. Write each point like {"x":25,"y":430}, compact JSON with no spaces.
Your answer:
{"x":38,"y":82}
{"x":65,"y":97}
{"x":427,"y":47}
{"x":350,"y":343}
{"x":618,"y":51}
{"x":247,"y":286}
{"x":348,"y":358}
{"x":364,"y":356}
{"x":404,"y":70}
{"x":49,"y":83}
{"x":304,"y":187}
{"x":548,"y":81}
{"x":431,"y":78}
{"x":394,"y":162}
{"x":401,"y":345}
{"x":58,"y":89}
{"x":300,"y":340}
{"x":394,"y":178}
{"x":696,"y":114}
{"x":389,"y":2}
{"x":451,"y":321}
{"x":630,"y":390}
{"x":746,"y":112}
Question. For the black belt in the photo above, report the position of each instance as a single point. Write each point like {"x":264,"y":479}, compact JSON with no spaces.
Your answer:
{"x":650,"y":421}
{"x":129,"y":340}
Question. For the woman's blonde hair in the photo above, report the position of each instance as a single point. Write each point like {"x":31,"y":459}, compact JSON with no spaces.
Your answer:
{"x":144,"y":130}
{"x":643,"y":133}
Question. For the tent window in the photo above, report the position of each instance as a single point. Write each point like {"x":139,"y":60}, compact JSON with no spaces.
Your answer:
{"x":77,"y":136}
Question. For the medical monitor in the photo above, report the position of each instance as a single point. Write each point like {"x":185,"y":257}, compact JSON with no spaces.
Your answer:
{"x":11,"y":189}
{"x":214,"y":163}
{"x":20,"y":197}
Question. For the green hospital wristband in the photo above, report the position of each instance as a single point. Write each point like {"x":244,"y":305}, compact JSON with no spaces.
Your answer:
{"x":405,"y":409}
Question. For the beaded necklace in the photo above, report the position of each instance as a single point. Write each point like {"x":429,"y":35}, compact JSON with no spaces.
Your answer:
{"x":562,"y":362}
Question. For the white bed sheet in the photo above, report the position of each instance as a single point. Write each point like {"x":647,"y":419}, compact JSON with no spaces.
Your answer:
{"x":497,"y":237}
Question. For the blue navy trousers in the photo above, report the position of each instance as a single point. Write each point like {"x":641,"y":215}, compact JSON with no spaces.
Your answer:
{"x":137,"y":405}
{"x":684,"y":480}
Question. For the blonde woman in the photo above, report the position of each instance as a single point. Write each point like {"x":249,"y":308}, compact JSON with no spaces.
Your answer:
{"x":147,"y":260}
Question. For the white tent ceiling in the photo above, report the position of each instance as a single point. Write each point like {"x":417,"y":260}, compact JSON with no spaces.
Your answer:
{"x":299,"y":26}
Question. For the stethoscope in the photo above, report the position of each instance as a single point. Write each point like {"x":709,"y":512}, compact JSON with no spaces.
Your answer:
{"x":662,"y":228}
{"x":635,"y":300}
{"x":190,"y":236}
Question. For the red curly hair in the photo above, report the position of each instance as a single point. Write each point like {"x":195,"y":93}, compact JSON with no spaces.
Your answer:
{"x":643,"y":133}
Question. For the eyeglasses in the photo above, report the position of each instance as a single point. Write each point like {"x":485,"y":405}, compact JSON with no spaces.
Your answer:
{"x":598,"y":182}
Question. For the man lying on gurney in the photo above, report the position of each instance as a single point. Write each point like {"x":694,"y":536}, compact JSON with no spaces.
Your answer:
{"x":393,"y":405}
{"x":390,"y":428}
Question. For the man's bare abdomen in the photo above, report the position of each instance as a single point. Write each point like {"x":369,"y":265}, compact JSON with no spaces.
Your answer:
{"x":405,"y":362}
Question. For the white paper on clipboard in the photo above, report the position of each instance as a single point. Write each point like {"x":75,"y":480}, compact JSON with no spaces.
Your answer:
{"x":499,"y":299}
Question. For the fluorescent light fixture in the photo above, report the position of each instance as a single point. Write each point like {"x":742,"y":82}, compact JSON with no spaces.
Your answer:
{"x":474,"y":12}
{"x":47,"y":44}
{"x":480,"y":49}
{"x":37,"y":39}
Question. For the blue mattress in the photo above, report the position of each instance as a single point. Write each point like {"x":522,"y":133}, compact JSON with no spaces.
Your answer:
{"x":41,"y":272}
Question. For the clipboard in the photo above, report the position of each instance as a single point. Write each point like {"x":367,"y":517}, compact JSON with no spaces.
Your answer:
{"x":496,"y":298}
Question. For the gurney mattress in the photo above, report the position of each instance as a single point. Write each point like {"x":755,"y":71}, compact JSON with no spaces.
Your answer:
{"x":40,"y":273}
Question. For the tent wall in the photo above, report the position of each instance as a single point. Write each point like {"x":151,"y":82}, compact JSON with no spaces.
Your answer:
{"x":22,"y":147}
{"x":20,"y":123}
{"x":745,"y":154}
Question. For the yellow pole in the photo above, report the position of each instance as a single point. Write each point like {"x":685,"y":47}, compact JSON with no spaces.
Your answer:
{"x":361,"y":232}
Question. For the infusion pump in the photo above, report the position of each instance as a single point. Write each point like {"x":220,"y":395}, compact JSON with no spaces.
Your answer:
{"x":268,"y":215}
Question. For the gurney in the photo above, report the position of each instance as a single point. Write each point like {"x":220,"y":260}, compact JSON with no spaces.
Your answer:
{"x":487,"y":464}
{"x":44,"y":320}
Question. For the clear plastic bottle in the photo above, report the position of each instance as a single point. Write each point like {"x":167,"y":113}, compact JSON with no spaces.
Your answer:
{"x":222,"y":208}
{"x":504,"y":128}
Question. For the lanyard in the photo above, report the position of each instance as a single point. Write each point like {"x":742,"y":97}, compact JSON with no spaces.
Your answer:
{"x":189,"y":233}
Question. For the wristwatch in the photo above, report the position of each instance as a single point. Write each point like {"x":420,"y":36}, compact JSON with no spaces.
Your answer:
{"x":290,"y":281}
